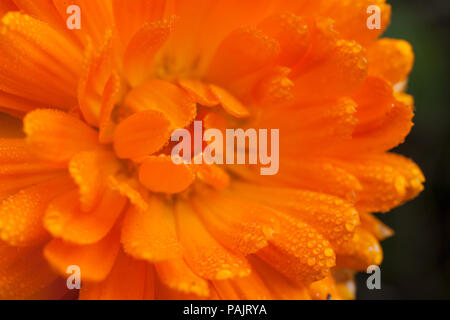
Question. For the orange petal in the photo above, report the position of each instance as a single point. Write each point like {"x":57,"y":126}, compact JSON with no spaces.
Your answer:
{"x":129,"y":279}
{"x":64,"y":219}
{"x":383,"y":187}
{"x":14,"y":150}
{"x":10,"y":254}
{"x":214,"y":121}
{"x":11,"y":184}
{"x":274,"y":88}
{"x":333,"y":217}
{"x":204,"y":24}
{"x":151,"y":234}
{"x":26,"y":276}
{"x":231,"y":105}
{"x":95,"y":260}
{"x":7,"y":5}
{"x":364,"y":250}
{"x":214,"y":176}
{"x":385,"y":181}
{"x":375,"y":99}
{"x":89,"y":170}
{"x":324,"y":289}
{"x":16,"y":157}
{"x":200,"y":91}
{"x":143,"y":48}
{"x":375,"y":226}
{"x":241,"y":226}
{"x":292,"y":34}
{"x":405,"y":98}
{"x":150,"y":283}
{"x":323,"y":42}
{"x":47,"y":11}
{"x":109,"y":99}
{"x":163,"y":292}
{"x":336,"y":120}
{"x":130,"y":16}
{"x":247,"y":288}
{"x":44,"y":11}
{"x":36,"y":62}
{"x":204,"y":255}
{"x":97,"y":17}
{"x":18,"y":106}
{"x":244,"y":51}
{"x":98,"y":67}
{"x":341,"y":73}
{"x":315,"y":174}
{"x":388,"y":133}
{"x":160,"y":174}
{"x":131,"y":189}
{"x":33,"y":167}
{"x":391,"y":59}
{"x":57,"y":136}
{"x":408,"y":169}
{"x":351,"y":18}
{"x":165,"y":97}
{"x":141,"y":134}
{"x":21,"y":214}
{"x":280,"y":287}
{"x":176,"y":275}
{"x":56,"y":290}
{"x":299,"y":252}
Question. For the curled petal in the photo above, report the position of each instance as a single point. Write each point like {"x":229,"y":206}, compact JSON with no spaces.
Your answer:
{"x":141,"y":134}
{"x":90,"y":170}
{"x":200,"y":91}
{"x":160,"y":174}
{"x":95,"y":260}
{"x":64,"y":219}
{"x":231,"y":105}
{"x":162,"y":96}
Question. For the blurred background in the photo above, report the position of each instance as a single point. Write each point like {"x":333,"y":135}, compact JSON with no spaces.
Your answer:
{"x":417,"y":259}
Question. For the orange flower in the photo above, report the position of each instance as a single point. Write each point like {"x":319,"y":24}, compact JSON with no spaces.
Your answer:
{"x":91,"y":183}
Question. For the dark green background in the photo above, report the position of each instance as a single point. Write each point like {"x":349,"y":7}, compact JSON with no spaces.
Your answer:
{"x":417,"y":258}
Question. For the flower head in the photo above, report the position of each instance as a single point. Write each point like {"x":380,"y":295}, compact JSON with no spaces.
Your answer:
{"x":91,"y":181}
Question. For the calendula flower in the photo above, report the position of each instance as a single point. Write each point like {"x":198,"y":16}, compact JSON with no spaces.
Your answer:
{"x":86,"y":175}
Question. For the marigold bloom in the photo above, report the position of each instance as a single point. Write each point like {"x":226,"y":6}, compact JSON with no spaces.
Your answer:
{"x":91,"y":183}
